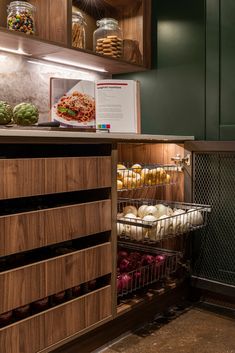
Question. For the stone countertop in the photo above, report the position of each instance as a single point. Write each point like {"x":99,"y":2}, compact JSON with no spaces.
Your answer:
{"x":59,"y":135}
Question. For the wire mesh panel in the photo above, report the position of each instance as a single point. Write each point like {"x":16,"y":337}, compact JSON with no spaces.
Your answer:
{"x":140,"y":266}
{"x":214,"y":247}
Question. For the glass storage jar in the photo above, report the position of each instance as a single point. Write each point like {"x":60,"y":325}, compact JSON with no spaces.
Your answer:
{"x":78,"y":30}
{"x":21,"y":17}
{"x":108,"y":38}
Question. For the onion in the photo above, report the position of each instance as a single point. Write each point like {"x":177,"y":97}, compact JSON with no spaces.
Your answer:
{"x":119,"y":185}
{"x":160,"y":258}
{"x":122,"y":254}
{"x":126,"y":280}
{"x":149,"y":218}
{"x":151,"y":210}
{"x":130,"y":215}
{"x":141,"y":211}
{"x":121,"y":166}
{"x":136,"y":168}
{"x":130,"y":209}
{"x":128,"y":173}
{"x":147,"y":260}
{"x":195,"y":217}
{"x":120,"y":215}
{"x":164,"y":227}
{"x":120,"y":229}
{"x":144,"y":175}
{"x":162,"y":210}
{"x":124,"y":265}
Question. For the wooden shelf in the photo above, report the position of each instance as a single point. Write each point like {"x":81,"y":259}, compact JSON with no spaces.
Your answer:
{"x":38,"y":49}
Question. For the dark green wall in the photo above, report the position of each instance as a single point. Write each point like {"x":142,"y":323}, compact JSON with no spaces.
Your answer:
{"x":173,"y":93}
{"x":191,"y":89}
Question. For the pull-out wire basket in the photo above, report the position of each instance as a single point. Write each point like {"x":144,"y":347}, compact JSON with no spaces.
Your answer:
{"x":138,"y":176}
{"x":146,"y":264}
{"x":139,"y":221}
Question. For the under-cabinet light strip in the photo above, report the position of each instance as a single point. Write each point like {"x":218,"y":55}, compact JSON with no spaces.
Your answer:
{"x":14,"y":51}
{"x":71,"y":63}
{"x":35,"y":62}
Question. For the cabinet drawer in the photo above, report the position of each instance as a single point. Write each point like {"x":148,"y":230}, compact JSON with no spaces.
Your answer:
{"x":32,"y":282}
{"x":29,"y":177}
{"x":45,"y":329}
{"x":26,"y":231}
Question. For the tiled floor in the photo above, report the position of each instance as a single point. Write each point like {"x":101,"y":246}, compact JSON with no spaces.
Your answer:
{"x":196,"y":331}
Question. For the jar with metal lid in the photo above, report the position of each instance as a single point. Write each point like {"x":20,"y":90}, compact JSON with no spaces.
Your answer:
{"x":21,"y":17}
{"x":78,"y":30}
{"x":108,"y":38}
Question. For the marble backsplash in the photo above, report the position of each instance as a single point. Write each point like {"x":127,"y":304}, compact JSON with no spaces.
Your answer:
{"x":22,"y":81}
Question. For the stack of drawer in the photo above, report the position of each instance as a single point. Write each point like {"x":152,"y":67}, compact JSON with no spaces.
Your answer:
{"x":35,"y":229}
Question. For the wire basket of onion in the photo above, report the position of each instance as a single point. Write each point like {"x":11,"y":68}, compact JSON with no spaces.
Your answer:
{"x":151,"y":221}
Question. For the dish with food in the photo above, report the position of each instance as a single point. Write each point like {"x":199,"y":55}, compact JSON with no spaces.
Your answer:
{"x":77,"y":108}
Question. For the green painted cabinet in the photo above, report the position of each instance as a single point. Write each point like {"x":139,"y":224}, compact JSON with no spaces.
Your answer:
{"x":191,"y":88}
{"x":173,"y":93}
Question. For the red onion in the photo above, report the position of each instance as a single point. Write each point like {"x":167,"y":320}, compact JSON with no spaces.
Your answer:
{"x":126,"y":281}
{"x":147,"y":260}
{"x":160,"y":258}
{"x":125,"y":265}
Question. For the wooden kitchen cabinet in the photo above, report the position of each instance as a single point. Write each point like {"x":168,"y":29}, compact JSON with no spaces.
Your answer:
{"x":45,"y":329}
{"x":53,"y":38}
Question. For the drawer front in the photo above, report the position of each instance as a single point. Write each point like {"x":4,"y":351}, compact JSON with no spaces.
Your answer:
{"x":32,"y":230}
{"x":31,"y":177}
{"x":39,"y":332}
{"x":30,"y":283}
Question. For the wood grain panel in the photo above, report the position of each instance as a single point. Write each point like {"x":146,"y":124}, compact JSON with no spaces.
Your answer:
{"x":23,"y":337}
{"x":42,"y":18}
{"x":21,"y":232}
{"x":30,"y":283}
{"x":43,"y":330}
{"x":132,"y":23}
{"x":26,"y":231}
{"x":27,"y":177}
{"x":51,"y":24}
{"x":22,"y":286}
{"x":77,"y":173}
{"x":78,"y":267}
{"x":3,"y":12}
{"x":21,"y":177}
{"x":58,"y":21}
{"x":72,"y":222}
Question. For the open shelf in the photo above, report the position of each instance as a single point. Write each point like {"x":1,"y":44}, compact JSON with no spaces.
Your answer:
{"x":133,"y":18}
{"x":35,"y":48}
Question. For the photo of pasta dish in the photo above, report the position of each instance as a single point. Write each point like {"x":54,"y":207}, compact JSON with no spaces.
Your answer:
{"x":78,"y":107}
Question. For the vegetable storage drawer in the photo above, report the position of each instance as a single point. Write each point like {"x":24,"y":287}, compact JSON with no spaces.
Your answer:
{"x":50,"y":327}
{"x":32,"y":282}
{"x":26,"y":231}
{"x":31,"y":177}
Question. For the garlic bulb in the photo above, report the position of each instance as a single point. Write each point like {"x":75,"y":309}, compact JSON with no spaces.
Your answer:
{"x":130,"y":209}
